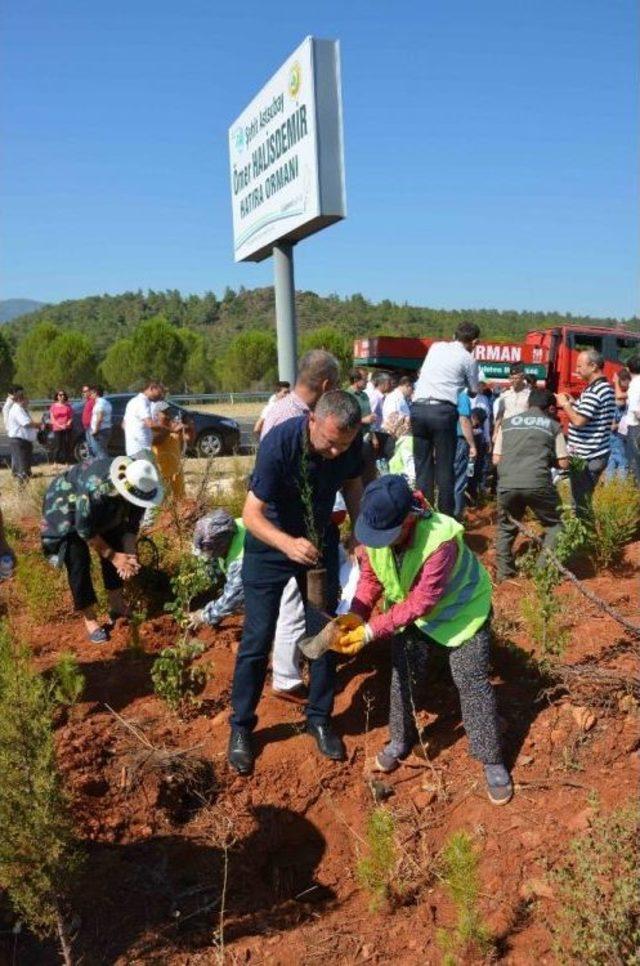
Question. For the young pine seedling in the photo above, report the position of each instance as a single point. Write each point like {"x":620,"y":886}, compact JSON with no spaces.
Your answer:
{"x":67,"y":680}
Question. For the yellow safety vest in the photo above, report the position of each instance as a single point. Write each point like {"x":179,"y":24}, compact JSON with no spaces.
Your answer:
{"x":236,"y":550}
{"x":466,"y":602}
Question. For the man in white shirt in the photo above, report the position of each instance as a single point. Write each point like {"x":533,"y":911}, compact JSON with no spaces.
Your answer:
{"x":633,"y":418}
{"x":514,"y":400}
{"x":22,"y":432}
{"x":397,"y":401}
{"x":448,"y":369}
{"x":377,"y":390}
{"x":8,"y":403}
{"x":101,"y":422}
{"x":138,"y":419}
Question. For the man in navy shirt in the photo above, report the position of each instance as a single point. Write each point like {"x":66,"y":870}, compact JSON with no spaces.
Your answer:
{"x":316,"y":454}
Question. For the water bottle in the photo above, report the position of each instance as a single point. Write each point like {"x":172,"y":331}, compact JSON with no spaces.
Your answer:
{"x":471,"y":468}
{"x":6,"y":566}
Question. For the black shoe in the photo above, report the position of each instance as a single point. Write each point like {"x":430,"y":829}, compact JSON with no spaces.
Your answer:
{"x":240,"y":752}
{"x":328,"y":742}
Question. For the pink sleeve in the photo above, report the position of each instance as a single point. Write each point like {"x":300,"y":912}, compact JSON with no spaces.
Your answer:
{"x":427,"y":590}
{"x":368,"y":591}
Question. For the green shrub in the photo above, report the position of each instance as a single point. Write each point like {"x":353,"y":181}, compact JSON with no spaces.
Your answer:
{"x":542,"y":611}
{"x":615,"y":519}
{"x":136,"y":620}
{"x":460,"y":874}
{"x":598,"y":920}
{"x":376,"y":870}
{"x":67,"y":680}
{"x":42,"y":587}
{"x":176,"y":679}
{"x":38,"y":858}
{"x":192,"y":579}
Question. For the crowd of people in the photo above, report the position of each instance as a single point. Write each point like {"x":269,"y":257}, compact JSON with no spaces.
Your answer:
{"x":148,"y":425}
{"x":402,"y":461}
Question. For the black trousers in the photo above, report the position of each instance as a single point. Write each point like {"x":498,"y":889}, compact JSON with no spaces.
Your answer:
{"x":433,"y":427}
{"x":61,"y":445}
{"x":21,"y":457}
{"x":77,"y":559}
{"x":545,"y":504}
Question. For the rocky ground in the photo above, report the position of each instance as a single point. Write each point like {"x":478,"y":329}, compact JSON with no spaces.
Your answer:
{"x":193,"y":865}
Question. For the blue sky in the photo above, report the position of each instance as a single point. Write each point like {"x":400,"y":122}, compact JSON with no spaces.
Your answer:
{"x":490,"y":148}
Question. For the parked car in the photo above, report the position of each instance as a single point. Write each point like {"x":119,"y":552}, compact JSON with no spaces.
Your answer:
{"x":212,"y":435}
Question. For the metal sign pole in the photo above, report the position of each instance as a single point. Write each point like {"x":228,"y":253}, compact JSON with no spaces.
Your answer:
{"x":285,"y":310}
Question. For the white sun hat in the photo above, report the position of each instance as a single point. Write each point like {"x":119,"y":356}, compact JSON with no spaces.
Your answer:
{"x":137,"y":480}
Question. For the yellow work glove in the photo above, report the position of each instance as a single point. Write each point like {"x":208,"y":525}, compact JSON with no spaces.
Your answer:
{"x":350,"y":642}
{"x":348,"y":622}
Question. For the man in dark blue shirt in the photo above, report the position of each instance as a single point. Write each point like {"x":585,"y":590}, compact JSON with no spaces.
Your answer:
{"x":301,"y":465}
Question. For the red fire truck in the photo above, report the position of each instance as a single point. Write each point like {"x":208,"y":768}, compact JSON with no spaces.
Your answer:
{"x":549,"y":354}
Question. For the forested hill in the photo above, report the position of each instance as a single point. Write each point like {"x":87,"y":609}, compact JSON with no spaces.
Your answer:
{"x":209,"y":343}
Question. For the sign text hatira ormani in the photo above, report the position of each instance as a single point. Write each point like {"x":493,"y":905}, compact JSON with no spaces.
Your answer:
{"x":266,"y":154}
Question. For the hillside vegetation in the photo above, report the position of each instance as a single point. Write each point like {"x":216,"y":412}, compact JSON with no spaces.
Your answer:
{"x":205,"y":343}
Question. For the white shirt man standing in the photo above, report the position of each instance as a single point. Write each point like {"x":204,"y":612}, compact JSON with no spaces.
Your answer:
{"x":633,"y":418}
{"x":515,"y":399}
{"x":22,"y":432}
{"x":448,"y":369}
{"x":380,"y":387}
{"x":101,"y":422}
{"x":397,"y":401}
{"x":138,"y":419}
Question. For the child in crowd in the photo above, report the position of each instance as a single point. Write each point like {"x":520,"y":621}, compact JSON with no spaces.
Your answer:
{"x":475,"y":485}
{"x":399,"y":449}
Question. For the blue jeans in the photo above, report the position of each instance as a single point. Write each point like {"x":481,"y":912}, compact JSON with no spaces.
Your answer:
{"x":98,"y":442}
{"x":583,"y":482}
{"x":263,"y":588}
{"x":633,"y":451}
{"x":618,"y":464}
{"x":460,"y":466}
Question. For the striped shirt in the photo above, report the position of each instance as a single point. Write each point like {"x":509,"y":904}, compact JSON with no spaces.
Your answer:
{"x":598,"y":404}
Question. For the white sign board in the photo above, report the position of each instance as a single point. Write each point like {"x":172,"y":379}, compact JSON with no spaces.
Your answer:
{"x":286,"y":154}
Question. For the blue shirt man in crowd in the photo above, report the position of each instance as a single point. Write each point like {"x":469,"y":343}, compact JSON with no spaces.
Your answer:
{"x":465,"y":451}
{"x":301,"y":465}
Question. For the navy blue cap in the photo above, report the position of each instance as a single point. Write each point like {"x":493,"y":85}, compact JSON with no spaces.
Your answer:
{"x":385,"y":506}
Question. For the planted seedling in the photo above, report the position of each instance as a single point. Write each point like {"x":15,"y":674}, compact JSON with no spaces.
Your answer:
{"x":175,"y":677}
{"x":67,"y":680}
{"x":317,"y":576}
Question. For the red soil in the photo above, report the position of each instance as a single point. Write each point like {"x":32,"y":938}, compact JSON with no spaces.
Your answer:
{"x":150,"y":891}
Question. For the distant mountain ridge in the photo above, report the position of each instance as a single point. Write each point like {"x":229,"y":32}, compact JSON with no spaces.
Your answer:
{"x":13,"y":308}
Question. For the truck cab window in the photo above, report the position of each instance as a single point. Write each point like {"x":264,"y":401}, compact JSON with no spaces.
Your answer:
{"x":580,"y":341}
{"x":623,"y":349}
